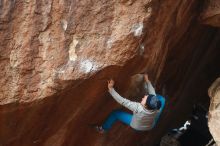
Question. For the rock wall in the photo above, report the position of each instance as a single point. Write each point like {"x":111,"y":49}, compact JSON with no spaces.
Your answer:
{"x":211,"y":13}
{"x":56,"y":55}
{"x":53,"y":42}
{"x":214,"y":111}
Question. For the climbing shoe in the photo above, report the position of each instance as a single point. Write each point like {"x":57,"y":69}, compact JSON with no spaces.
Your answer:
{"x":100,"y":129}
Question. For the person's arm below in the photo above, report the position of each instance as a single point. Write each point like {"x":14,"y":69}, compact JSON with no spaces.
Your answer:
{"x":148,"y":86}
{"x":133,"y":106}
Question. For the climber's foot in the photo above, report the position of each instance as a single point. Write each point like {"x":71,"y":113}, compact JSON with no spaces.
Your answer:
{"x":99,"y":129}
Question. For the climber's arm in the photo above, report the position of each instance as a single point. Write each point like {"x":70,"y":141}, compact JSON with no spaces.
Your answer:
{"x":133,"y":106}
{"x":149,"y":89}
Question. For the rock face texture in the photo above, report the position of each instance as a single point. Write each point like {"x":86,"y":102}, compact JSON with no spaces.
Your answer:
{"x":211,"y":13}
{"x":59,"y":41}
{"x":214,"y":111}
{"x":56,"y":55}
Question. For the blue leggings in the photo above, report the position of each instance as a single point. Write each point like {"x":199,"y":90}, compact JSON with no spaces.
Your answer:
{"x":115,"y":115}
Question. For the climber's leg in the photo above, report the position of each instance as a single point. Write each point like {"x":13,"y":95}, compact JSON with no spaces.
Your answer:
{"x":117,"y":115}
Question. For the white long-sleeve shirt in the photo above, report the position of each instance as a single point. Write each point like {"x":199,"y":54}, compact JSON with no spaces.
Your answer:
{"x":143,"y":119}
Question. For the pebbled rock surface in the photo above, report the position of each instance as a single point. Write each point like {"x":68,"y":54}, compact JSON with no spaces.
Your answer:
{"x":46,"y":43}
{"x":56,"y":55}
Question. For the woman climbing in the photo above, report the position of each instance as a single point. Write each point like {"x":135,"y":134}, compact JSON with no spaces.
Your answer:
{"x":144,"y":113}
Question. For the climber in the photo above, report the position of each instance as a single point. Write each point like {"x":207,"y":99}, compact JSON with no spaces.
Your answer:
{"x":144,"y":113}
